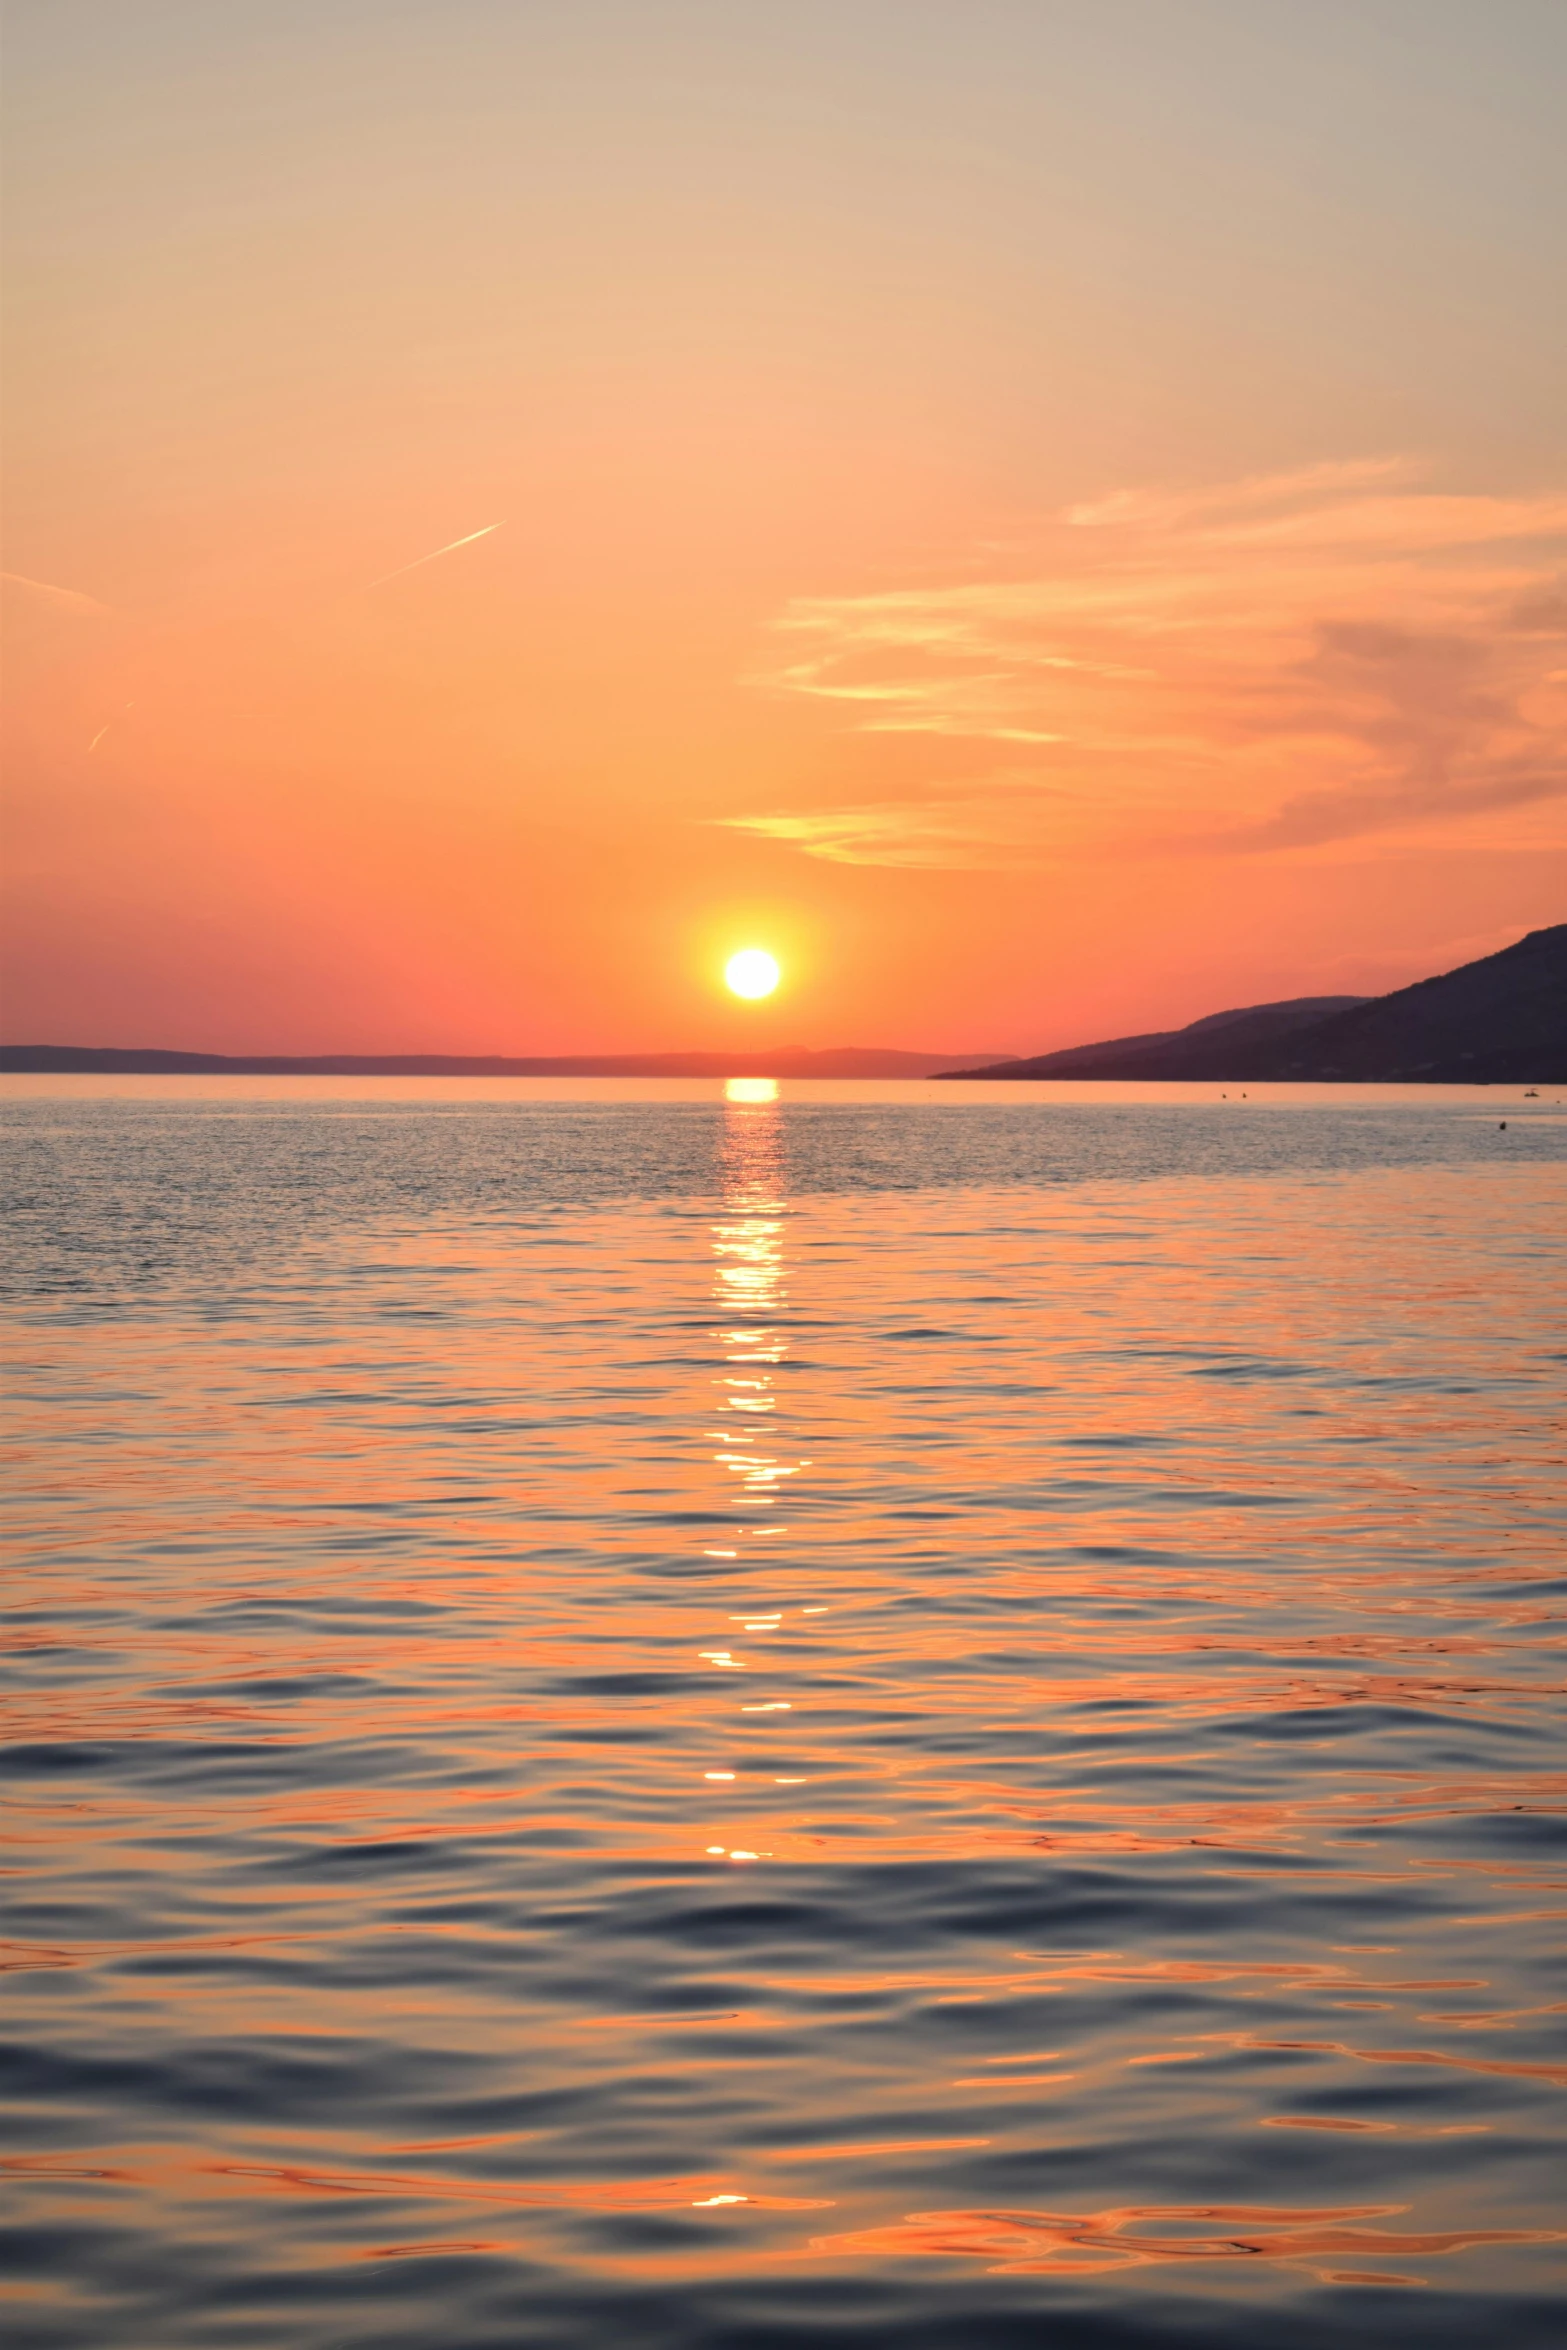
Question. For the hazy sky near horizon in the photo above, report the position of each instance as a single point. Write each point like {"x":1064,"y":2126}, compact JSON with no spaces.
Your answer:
{"x":1051,"y":515}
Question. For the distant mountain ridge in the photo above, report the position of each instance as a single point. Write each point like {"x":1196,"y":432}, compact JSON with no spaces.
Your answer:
{"x":1501,"y":1020}
{"x":60,"y":1060}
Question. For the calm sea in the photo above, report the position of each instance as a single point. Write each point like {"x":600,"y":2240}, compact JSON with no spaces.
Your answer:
{"x":889,"y":1716}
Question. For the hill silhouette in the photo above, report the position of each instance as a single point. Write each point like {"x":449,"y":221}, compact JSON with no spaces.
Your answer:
{"x":1256,"y":1023}
{"x":1502,"y":1020}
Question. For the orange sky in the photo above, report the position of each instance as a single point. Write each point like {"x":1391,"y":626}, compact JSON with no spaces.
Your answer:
{"x":1051,"y":519}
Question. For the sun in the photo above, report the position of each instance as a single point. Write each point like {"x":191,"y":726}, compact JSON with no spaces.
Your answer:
{"x":752,"y":973}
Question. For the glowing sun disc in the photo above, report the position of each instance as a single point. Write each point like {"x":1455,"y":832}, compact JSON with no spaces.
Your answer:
{"x":751,"y":973}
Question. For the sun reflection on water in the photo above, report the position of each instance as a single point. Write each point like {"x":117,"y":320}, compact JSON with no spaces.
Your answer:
{"x":750,"y":1290}
{"x":750,"y":1286}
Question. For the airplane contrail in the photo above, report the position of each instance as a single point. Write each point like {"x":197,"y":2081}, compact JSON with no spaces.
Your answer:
{"x":69,"y":599}
{"x":434,"y":551}
{"x":104,"y":728}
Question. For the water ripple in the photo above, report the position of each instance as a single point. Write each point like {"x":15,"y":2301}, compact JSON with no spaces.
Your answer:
{"x":784,"y":1723}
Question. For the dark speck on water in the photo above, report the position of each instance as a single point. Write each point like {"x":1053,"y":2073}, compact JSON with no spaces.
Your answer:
{"x":888,"y":1720}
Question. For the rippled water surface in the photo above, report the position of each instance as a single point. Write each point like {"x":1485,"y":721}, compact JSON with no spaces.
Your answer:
{"x":877,"y":1718}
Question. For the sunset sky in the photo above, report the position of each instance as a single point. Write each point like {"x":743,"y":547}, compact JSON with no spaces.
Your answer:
{"x":1050,"y":516}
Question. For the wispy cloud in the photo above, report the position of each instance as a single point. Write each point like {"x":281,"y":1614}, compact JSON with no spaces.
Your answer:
{"x":1251,"y":667}
{"x":964,"y":830}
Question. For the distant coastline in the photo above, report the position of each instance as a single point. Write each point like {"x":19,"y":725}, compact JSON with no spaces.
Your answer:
{"x":59,"y":1060}
{"x":1499,"y":1021}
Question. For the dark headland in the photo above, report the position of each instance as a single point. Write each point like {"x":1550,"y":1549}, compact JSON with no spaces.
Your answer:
{"x":1502,"y":1020}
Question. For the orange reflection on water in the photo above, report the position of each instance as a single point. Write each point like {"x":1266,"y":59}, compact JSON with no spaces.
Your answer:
{"x":169,"y":2168}
{"x":1078,"y":2243}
